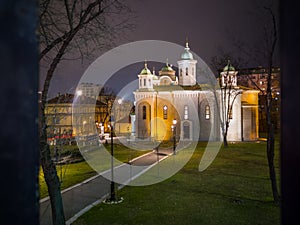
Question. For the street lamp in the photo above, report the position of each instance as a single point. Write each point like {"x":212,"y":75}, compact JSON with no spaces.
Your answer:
{"x":79,"y":92}
{"x":174,"y":122}
{"x":102,"y":130}
{"x":112,"y":183}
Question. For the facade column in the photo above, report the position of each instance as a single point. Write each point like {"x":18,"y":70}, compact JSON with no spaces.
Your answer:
{"x":132,"y":117}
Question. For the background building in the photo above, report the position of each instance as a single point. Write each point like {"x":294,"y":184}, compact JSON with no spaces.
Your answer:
{"x":256,"y":78}
{"x":90,"y":90}
{"x":58,"y":113}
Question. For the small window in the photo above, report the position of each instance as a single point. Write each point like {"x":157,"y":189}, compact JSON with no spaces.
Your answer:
{"x":55,"y":120}
{"x":140,"y":82}
{"x":180,"y":72}
{"x":144,"y":82}
{"x":186,"y":112}
{"x":144,"y":112}
{"x":149,"y":82}
{"x":193,"y":71}
{"x":165,"y":112}
{"x":186,"y":71}
{"x":207,"y":112}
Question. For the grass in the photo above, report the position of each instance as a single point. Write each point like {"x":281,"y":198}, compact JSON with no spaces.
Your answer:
{"x":73,"y":173}
{"x":69,"y":175}
{"x":235,"y":189}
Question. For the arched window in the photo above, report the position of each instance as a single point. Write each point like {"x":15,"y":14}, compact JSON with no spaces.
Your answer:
{"x":144,"y":82}
{"x":186,"y":112}
{"x":144,"y":112}
{"x":165,"y":112}
{"x":186,"y":71}
{"x":149,"y":82}
{"x":140,"y":82}
{"x":207,"y":112}
{"x":181,"y":72}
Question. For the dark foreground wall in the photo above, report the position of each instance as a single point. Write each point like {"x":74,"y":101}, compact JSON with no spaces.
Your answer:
{"x":18,"y":112}
{"x":290,"y":118}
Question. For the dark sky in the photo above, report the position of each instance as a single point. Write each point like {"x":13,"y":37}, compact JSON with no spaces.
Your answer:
{"x":209,"y":26}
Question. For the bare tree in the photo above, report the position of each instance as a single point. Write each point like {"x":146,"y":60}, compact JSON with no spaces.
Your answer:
{"x":269,"y":104}
{"x":71,"y":28}
{"x":229,"y":93}
{"x":107,"y":96}
{"x":217,"y":62}
{"x":264,"y":52}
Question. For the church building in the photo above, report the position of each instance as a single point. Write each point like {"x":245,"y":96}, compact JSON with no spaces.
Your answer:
{"x":167,"y":104}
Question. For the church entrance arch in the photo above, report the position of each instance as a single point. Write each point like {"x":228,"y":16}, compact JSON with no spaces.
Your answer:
{"x":187,"y":130}
{"x":144,"y":118}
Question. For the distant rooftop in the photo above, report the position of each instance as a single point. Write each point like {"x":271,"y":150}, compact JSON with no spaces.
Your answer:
{"x":69,"y":98}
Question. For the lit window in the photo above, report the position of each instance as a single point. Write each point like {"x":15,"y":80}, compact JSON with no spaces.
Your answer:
{"x":207,"y":112}
{"x":186,"y":112}
{"x":144,"y":112}
{"x":165,"y":112}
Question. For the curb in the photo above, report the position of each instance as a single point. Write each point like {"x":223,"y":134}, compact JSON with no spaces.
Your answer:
{"x":87,"y":208}
{"x":94,"y":177}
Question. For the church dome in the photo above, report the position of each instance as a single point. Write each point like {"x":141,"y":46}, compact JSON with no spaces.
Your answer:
{"x":228,"y":67}
{"x":145,"y":71}
{"x":187,"y":55}
{"x":167,"y":68}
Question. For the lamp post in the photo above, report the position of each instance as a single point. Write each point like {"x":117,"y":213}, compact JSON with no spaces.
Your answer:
{"x":102,"y":130}
{"x":174,"y":122}
{"x":112,"y":183}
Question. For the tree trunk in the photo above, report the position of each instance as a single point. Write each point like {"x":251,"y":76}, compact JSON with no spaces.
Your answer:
{"x":270,"y":136}
{"x":51,"y":177}
{"x":48,"y":166}
{"x":225,"y":142}
{"x":270,"y":155}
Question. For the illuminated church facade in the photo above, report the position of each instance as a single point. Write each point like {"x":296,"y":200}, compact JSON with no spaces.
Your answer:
{"x":164,"y":98}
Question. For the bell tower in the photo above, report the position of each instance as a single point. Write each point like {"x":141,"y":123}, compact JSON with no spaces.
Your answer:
{"x":145,"y":78}
{"x":228,"y":76}
{"x":187,"y":68}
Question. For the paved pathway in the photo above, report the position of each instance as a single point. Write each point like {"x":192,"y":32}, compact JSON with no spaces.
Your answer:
{"x":83,"y":196}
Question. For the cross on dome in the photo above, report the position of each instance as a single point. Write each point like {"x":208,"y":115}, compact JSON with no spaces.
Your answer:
{"x":187,"y":55}
{"x":145,"y":70}
{"x":187,"y":43}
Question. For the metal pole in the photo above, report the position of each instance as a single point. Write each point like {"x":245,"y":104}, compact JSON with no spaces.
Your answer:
{"x":112,"y":183}
{"x":174,"y":140}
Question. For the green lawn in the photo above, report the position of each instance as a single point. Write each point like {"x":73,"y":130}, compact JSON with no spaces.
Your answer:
{"x":234,"y":190}
{"x":73,"y":173}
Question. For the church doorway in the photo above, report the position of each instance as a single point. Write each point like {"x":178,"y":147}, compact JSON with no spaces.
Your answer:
{"x":143,"y":122}
{"x":186,"y":130}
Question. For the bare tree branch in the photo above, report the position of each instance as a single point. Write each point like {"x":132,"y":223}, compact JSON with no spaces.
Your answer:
{"x":70,"y":27}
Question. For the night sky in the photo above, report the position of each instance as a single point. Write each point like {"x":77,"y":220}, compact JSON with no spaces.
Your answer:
{"x":208,"y":25}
